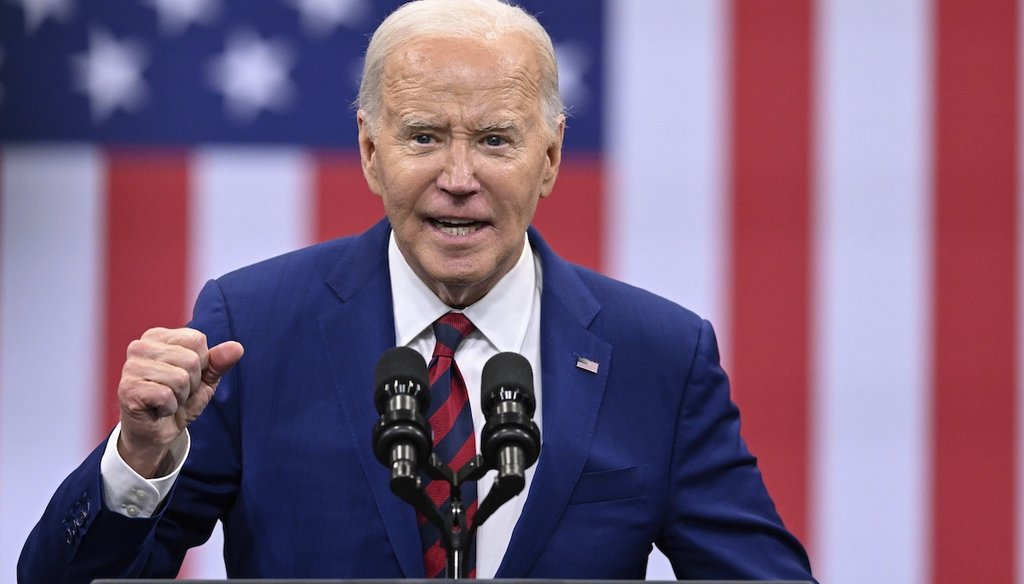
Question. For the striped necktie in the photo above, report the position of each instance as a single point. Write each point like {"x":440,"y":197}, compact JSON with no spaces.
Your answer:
{"x":451,"y":420}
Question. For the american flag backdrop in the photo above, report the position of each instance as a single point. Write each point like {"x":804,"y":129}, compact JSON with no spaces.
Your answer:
{"x":833,"y":183}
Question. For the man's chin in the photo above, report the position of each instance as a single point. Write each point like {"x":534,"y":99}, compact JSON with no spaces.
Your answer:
{"x":459,"y":289}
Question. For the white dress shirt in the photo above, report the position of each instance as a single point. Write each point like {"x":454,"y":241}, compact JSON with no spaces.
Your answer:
{"x":506,"y":319}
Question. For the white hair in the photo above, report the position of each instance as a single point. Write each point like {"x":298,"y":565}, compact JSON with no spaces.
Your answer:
{"x":479,"y":19}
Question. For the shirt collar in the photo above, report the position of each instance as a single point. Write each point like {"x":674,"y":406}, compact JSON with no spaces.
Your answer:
{"x":502,"y":315}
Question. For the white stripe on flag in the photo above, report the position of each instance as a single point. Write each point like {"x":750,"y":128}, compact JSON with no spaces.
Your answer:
{"x":665,"y":144}
{"x":246,"y":205}
{"x":872,"y":294}
{"x":51,"y":239}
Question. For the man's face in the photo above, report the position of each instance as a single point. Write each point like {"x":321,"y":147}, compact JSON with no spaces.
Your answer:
{"x":460,"y":153}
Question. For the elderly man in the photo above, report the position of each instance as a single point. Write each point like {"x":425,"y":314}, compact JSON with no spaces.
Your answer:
{"x":460,"y":133}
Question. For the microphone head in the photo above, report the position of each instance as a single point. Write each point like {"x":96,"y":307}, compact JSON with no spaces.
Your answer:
{"x":401,"y":370}
{"x":507,"y":376}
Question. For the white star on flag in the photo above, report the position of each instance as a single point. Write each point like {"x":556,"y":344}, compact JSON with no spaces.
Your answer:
{"x":38,"y":11}
{"x":321,"y":17}
{"x":252,"y":74}
{"x":573,"y":62}
{"x":175,"y":16}
{"x":109,"y":73}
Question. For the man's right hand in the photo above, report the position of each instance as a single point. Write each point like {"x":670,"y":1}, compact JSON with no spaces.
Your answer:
{"x":168,"y":379}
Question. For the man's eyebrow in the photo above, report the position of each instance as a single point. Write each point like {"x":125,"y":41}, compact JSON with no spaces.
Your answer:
{"x":500,"y":126}
{"x":412,"y":123}
{"x":418,"y":123}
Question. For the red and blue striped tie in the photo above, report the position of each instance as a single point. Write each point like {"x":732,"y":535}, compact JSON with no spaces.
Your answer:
{"x":451,"y":419}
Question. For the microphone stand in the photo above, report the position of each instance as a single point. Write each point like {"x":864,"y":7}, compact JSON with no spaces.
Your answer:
{"x":401,"y":439}
{"x":456,"y":531}
{"x":457,"y":535}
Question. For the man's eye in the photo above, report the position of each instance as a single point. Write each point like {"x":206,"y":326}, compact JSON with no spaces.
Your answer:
{"x":422,"y":139}
{"x":495,"y":140}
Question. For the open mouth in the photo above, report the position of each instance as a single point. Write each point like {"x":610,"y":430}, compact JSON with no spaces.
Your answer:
{"x":456,"y":227}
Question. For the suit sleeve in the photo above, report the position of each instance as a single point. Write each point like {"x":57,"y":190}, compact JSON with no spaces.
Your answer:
{"x":78,"y":539}
{"x":723,"y":523}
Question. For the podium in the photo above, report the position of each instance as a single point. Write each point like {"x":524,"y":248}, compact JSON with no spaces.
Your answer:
{"x":437,"y":581}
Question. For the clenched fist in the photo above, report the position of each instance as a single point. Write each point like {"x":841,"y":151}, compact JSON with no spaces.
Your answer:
{"x":168,"y":379}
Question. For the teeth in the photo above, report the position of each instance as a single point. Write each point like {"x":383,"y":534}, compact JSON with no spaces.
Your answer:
{"x":457,"y":227}
{"x":457,"y":231}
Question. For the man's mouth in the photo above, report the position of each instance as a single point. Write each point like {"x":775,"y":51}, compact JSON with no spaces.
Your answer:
{"x":456,"y":227}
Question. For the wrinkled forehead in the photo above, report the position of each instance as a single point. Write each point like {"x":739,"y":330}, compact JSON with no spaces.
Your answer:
{"x":464,"y":65}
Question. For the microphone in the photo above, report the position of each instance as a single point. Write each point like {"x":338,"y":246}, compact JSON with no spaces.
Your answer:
{"x":510,"y":441}
{"x":402,"y":436}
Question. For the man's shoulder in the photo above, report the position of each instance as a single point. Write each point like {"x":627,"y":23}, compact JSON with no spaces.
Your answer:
{"x":610,"y":292}
{"x":312,"y":258}
{"x":649,"y":331}
{"x":611,"y":301}
{"x":314,"y":261}
{"x":619,"y":298}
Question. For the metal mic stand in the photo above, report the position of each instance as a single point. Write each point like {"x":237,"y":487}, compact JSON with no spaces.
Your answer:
{"x":456,"y":533}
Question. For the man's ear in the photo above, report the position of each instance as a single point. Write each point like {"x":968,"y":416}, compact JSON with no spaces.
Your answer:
{"x":553,"y":158}
{"x":368,"y":152}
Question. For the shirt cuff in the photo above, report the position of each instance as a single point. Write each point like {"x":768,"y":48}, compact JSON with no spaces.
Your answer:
{"x":126,"y":491}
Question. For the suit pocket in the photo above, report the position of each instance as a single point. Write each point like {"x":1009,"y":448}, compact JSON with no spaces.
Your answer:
{"x":610,"y":485}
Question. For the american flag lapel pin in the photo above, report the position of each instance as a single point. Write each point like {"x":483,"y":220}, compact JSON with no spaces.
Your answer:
{"x":586,"y":364}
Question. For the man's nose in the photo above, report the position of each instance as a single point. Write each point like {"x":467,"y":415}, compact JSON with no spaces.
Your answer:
{"x":459,"y":174}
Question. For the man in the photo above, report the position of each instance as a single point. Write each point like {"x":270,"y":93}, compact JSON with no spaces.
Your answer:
{"x":460,"y":133}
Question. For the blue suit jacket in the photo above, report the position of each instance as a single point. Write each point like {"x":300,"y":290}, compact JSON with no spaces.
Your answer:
{"x":646,"y":450}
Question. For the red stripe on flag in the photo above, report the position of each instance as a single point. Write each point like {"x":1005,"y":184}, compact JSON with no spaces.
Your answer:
{"x":572,"y":218}
{"x":344,"y":204}
{"x":770,"y":263}
{"x":976,"y":296}
{"x":147,"y":213}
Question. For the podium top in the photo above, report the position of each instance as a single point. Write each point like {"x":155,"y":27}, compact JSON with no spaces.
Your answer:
{"x":437,"y":580}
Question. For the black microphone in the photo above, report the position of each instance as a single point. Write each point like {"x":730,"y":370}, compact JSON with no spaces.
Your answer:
{"x":401,"y":437}
{"x":510,"y":441}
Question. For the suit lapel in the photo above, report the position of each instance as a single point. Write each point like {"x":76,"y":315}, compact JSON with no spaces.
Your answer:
{"x":571,"y":398}
{"x":571,"y":395}
{"x":357,"y":331}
